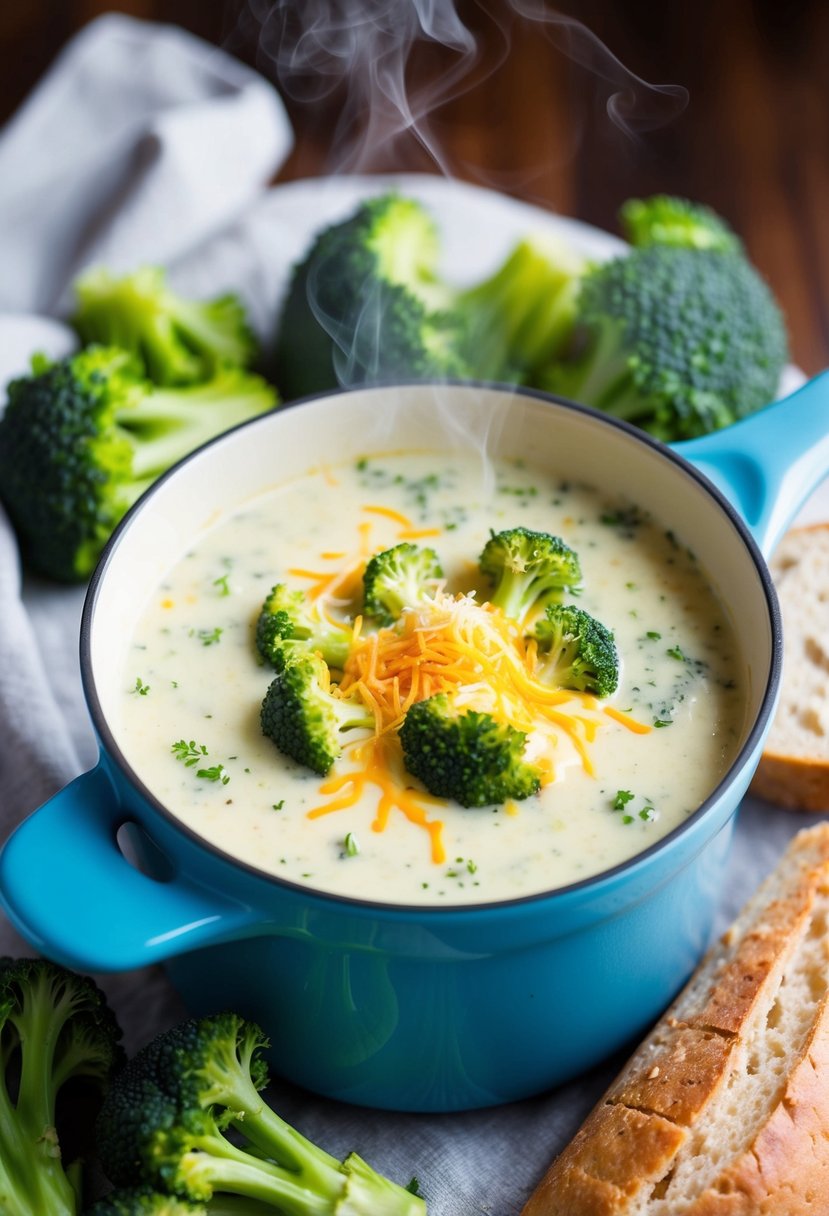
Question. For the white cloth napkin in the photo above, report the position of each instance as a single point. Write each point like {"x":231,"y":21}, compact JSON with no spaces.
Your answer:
{"x":144,"y":144}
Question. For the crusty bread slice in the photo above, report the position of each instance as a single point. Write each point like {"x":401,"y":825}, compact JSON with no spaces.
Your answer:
{"x":724,"y":1108}
{"x":794,"y":769}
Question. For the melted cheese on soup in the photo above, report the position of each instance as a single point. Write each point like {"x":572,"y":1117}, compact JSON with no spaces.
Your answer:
{"x":619,"y":773}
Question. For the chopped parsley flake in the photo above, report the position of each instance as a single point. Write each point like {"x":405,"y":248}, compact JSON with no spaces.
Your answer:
{"x":190,"y":753}
{"x":207,"y":637}
{"x":216,"y":772}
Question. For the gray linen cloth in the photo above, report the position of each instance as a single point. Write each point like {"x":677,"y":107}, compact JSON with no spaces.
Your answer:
{"x":143,"y":144}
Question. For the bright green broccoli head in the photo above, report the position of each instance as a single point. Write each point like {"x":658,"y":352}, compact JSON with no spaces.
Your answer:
{"x":178,"y":341}
{"x":399,"y":578}
{"x":82,"y":439}
{"x":576,"y":651}
{"x":678,"y":341}
{"x":522,"y":317}
{"x":528,"y":569}
{"x":664,"y":220}
{"x":366,"y":304}
{"x":289,"y":626}
{"x":186,"y":1117}
{"x":466,"y":755}
{"x":304,"y":718}
{"x":55,"y":1028}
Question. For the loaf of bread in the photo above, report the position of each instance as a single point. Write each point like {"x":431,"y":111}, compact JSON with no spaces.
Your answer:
{"x":794,"y":769}
{"x":724,"y":1109}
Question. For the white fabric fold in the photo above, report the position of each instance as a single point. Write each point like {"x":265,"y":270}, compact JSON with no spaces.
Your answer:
{"x":138,"y":143}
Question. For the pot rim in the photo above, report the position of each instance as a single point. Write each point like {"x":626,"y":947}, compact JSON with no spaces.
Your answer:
{"x":594,"y":881}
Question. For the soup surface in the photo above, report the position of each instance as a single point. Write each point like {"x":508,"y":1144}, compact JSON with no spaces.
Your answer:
{"x":621,"y":772}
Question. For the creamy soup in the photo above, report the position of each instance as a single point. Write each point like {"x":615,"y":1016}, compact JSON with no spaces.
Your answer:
{"x":620,"y":772}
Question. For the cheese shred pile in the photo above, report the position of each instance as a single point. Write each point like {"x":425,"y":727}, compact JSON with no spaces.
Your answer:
{"x":457,"y":646}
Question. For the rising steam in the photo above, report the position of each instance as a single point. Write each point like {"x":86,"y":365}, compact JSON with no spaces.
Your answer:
{"x":357,"y":55}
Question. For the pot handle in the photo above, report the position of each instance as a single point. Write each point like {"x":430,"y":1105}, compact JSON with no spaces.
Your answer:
{"x":67,"y":887}
{"x":768,"y":464}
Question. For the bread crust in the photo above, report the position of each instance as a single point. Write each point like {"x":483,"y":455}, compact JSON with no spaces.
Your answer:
{"x":793,"y":782}
{"x":798,"y":779}
{"x":622,"y":1160}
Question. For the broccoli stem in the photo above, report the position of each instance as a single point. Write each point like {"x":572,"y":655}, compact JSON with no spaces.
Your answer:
{"x":307,"y":1181}
{"x":223,"y":1167}
{"x":168,"y":425}
{"x":41,"y":1021}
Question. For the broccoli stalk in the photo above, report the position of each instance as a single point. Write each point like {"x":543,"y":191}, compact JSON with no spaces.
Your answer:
{"x":82,"y":439}
{"x":664,"y":220}
{"x":164,"y":1121}
{"x":179,"y":341}
{"x":528,"y":570}
{"x":522,"y":317}
{"x":466,"y":755}
{"x":55,"y":1026}
{"x":304,"y":719}
{"x":576,"y":651}
{"x":398,"y":578}
{"x":288,"y":626}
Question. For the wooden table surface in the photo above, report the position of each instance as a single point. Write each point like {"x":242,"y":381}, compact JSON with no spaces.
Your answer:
{"x":726,"y":101}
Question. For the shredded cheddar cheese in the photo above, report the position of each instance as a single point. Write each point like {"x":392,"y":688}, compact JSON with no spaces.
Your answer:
{"x":455,"y":645}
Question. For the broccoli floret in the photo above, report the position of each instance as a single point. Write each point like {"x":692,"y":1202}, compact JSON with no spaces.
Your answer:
{"x":146,"y":1202}
{"x":366,"y":304}
{"x":81,"y":439}
{"x":663,"y":220}
{"x":398,"y":578}
{"x":522,"y":318}
{"x":304,"y":718}
{"x":288,"y":626}
{"x":678,"y":341}
{"x":166,"y":1116}
{"x":55,"y":1026}
{"x":178,"y":341}
{"x":576,"y":651}
{"x":465,"y":755}
{"x":528,"y":569}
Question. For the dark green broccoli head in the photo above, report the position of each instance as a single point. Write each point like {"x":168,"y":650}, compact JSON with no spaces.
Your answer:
{"x":399,"y":578}
{"x":148,"y":1203}
{"x":465,"y":755}
{"x":665,"y":220}
{"x":528,"y":570}
{"x":576,"y":651}
{"x":678,"y":341}
{"x":304,"y":719}
{"x":64,"y":463}
{"x":81,"y":439}
{"x":165,"y":1113}
{"x":55,"y":1028}
{"x":186,"y":1117}
{"x":366,"y":304}
{"x":289,"y":626}
{"x":178,"y":341}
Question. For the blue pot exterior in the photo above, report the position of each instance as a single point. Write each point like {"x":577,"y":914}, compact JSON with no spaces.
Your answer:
{"x":410,"y":1008}
{"x":403,"y":1008}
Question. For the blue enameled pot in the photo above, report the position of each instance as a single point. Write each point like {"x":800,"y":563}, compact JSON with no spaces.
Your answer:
{"x":418,"y":1008}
